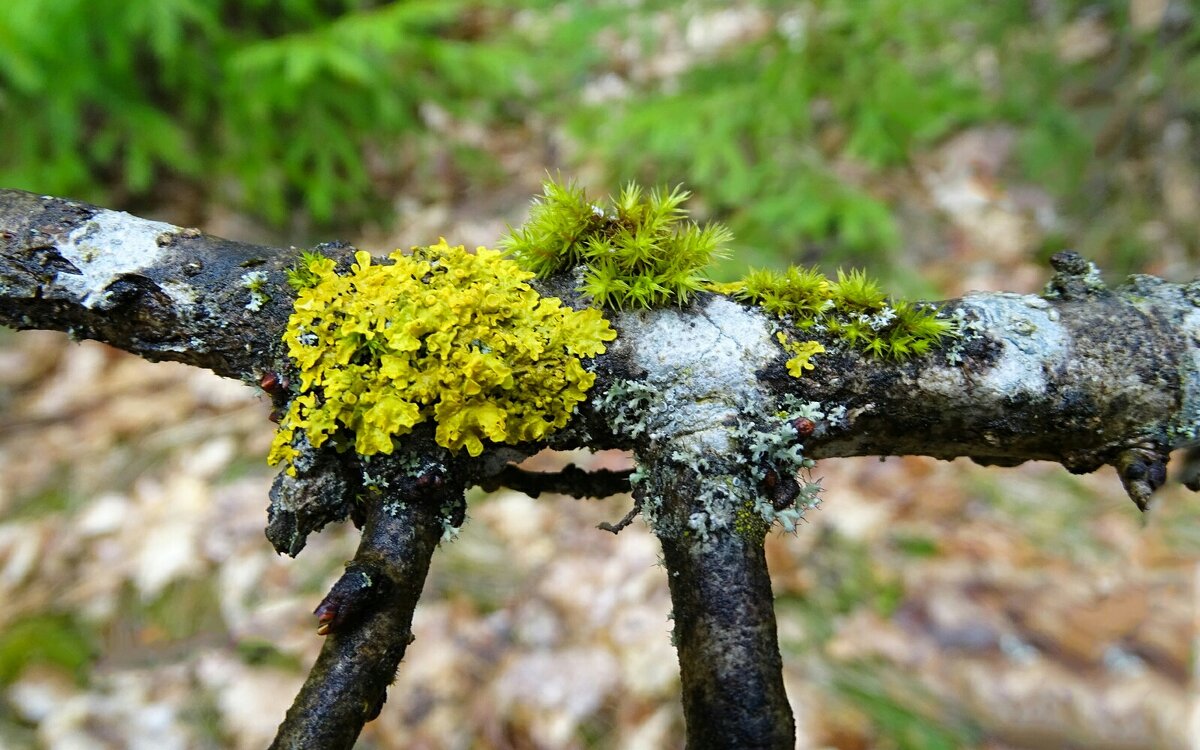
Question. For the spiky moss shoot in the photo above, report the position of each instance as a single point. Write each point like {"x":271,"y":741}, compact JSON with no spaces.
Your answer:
{"x":302,"y":276}
{"x":439,"y":333}
{"x":853,"y":309}
{"x":639,"y":251}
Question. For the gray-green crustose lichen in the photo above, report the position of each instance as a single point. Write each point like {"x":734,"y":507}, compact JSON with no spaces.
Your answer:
{"x":766,"y":481}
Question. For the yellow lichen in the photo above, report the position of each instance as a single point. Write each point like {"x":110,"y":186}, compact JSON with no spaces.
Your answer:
{"x":442,"y":333}
{"x":801,"y":351}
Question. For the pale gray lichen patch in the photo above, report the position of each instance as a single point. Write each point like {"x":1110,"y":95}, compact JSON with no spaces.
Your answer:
{"x":698,"y":409}
{"x":1021,"y":369}
{"x":255,"y":282}
{"x":1185,"y":427}
{"x":110,"y":245}
{"x":181,"y":292}
{"x":699,"y":367}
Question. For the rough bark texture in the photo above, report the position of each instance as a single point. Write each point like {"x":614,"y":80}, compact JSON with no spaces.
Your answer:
{"x":571,"y":480}
{"x":730,"y":667}
{"x":1083,"y":375}
{"x":159,"y":291}
{"x":370,"y":612}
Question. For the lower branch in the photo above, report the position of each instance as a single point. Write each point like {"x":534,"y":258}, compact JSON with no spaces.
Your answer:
{"x":723,"y":609}
{"x":368,"y":616}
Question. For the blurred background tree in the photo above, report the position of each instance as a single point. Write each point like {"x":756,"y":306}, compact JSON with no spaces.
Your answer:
{"x":946,"y":144}
{"x":801,"y":124}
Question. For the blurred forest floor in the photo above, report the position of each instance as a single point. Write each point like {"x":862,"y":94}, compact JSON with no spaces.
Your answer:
{"x":926,"y":605}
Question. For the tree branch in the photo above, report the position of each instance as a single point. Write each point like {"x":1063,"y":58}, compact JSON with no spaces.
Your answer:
{"x":1083,"y":375}
{"x":723,"y":609}
{"x":1086,"y":377}
{"x":159,"y":291}
{"x":368,"y":618}
{"x":1082,"y":378}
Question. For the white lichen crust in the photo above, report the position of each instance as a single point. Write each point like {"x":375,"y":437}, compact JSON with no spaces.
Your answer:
{"x":110,"y":245}
{"x":1185,"y":426}
{"x":1030,"y":333}
{"x":699,"y":408}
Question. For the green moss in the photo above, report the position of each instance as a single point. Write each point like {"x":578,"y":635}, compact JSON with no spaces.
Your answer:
{"x":638,"y":251}
{"x":853,"y":309}
{"x":302,"y":276}
{"x":439,"y":333}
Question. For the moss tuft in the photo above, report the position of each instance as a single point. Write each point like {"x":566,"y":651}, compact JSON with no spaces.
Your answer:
{"x":853,"y":309}
{"x":639,"y":251}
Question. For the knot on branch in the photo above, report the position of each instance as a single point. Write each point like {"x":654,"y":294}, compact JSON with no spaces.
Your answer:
{"x":1142,"y":470}
{"x":305,"y":502}
{"x":355,"y":593}
{"x":1075,"y":277}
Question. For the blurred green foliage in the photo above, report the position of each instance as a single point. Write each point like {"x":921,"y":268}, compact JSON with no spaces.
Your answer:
{"x":54,"y":639}
{"x":845,"y":578}
{"x":757,"y":130}
{"x":799,"y":131}
{"x":276,"y":106}
{"x":902,"y":715}
{"x":791,"y":137}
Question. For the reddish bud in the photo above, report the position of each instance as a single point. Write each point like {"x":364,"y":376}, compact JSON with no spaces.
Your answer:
{"x":804,"y":426}
{"x":771,"y":480}
{"x":325,"y":616}
{"x":430,"y":480}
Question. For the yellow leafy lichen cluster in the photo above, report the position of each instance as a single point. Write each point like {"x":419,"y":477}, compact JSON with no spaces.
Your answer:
{"x":439,"y":333}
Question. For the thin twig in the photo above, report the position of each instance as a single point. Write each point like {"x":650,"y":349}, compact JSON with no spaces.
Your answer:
{"x":625,"y":521}
{"x":570,"y":480}
{"x":723,"y":609}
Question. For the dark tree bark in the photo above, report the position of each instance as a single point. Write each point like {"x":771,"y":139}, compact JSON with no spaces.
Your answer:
{"x":730,"y":667}
{"x":372,"y":606}
{"x":1083,"y":375}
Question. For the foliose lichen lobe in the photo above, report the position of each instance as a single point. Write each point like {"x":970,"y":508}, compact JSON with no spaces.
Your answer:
{"x":439,"y":333}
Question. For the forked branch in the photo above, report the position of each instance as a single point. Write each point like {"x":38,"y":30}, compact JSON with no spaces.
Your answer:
{"x":1084,"y":375}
